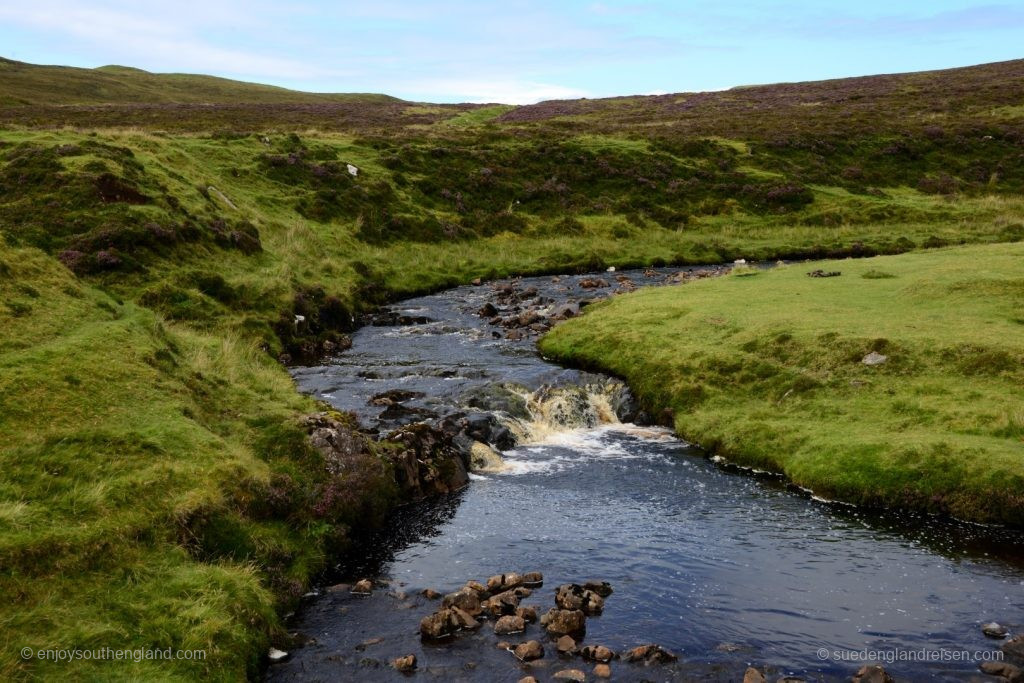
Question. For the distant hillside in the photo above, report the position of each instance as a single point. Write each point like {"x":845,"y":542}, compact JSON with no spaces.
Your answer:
{"x":988,"y":93}
{"x":31,"y":84}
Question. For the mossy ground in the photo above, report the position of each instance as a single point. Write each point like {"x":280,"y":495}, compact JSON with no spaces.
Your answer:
{"x":766,"y":368}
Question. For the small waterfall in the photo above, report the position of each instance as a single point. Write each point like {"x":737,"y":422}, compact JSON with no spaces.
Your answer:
{"x":551,"y":409}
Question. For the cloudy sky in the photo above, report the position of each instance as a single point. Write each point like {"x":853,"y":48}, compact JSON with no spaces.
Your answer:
{"x":515,"y":51}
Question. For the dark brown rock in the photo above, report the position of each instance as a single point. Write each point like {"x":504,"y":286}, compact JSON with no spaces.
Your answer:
{"x":464,"y":619}
{"x":528,"y":614}
{"x":509,"y":624}
{"x":574,"y":596}
{"x":1004,"y":670}
{"x":427,"y":461}
{"x":533,"y":579}
{"x":529,"y":651}
{"x":501,"y":604}
{"x":560,"y":622}
{"x":872,"y":673}
{"x":405,"y":664}
{"x":602,"y":588}
{"x":649,"y":654}
{"x":752,"y":675}
{"x":440,"y":624}
{"x":566,"y":645}
{"x":597,"y":653}
{"x":430,"y":594}
{"x":466,"y":599}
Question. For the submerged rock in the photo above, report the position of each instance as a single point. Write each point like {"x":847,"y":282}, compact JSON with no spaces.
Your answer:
{"x":570,"y":675}
{"x":603,"y":671}
{"x":362,"y":587}
{"x":1003,"y":670}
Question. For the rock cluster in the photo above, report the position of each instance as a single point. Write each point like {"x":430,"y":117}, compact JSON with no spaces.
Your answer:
{"x":499,"y":601}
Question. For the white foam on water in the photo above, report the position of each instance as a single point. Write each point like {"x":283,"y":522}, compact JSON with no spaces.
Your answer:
{"x":562,"y":450}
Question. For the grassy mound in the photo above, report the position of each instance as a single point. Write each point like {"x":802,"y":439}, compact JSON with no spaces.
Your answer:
{"x":766,"y":367}
{"x":155,"y":491}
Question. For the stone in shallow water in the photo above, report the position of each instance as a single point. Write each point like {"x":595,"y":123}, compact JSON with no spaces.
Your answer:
{"x":994,"y":630}
{"x":566,"y":645}
{"x":1003,"y":669}
{"x":603,"y":671}
{"x":465,"y":599}
{"x":404,"y":664}
{"x":602,"y":588}
{"x":560,"y":622}
{"x":752,"y":675}
{"x":649,"y":654}
{"x":570,"y":675}
{"x":363,"y":587}
{"x":509,"y":624}
{"x":597,"y":653}
{"x":533,"y":579}
{"x":528,"y":614}
{"x":529,"y":651}
{"x":872,"y":673}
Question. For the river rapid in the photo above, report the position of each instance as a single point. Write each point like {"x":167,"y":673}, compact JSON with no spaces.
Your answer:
{"x":725,"y":568}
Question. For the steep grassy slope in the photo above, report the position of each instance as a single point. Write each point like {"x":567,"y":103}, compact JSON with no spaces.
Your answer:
{"x":766,"y":368}
{"x":149,"y":278}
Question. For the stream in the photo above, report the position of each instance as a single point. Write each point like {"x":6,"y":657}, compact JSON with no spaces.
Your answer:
{"x":723,"y":567}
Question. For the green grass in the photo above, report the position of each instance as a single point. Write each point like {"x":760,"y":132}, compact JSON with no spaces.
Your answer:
{"x":136,"y":454}
{"x":765,"y":368}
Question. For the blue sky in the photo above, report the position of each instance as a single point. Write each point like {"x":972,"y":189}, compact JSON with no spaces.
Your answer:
{"x":515,"y":51}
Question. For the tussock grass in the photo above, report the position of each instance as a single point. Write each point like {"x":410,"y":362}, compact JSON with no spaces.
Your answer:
{"x":767,"y":370}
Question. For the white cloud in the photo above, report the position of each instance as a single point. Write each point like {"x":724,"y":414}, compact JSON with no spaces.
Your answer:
{"x":154,"y":40}
{"x":492,"y":90}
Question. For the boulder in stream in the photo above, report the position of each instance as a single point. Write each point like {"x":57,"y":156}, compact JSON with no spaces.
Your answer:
{"x":649,"y":654}
{"x":561,"y":622}
{"x":529,"y":651}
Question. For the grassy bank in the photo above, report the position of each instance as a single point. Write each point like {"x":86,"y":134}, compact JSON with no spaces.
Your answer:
{"x":765,"y":367}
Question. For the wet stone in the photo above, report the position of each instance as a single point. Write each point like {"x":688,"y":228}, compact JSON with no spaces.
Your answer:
{"x":509,"y":624}
{"x":529,"y":651}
